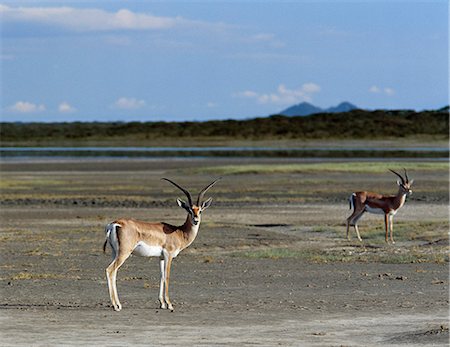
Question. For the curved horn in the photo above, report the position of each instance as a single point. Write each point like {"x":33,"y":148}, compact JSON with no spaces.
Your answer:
{"x":406,"y":176}
{"x":403,"y":180}
{"x":182,"y":189}
{"x":202,"y":193}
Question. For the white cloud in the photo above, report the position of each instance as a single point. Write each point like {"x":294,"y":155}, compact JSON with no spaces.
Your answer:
{"x":263,"y":37}
{"x":65,"y":107}
{"x":283,"y":95}
{"x":89,"y":19}
{"x":386,"y":91}
{"x":374,"y":89}
{"x":247,"y":94}
{"x":124,"y":103}
{"x":26,"y":107}
{"x":389,"y":91}
{"x":310,"y":88}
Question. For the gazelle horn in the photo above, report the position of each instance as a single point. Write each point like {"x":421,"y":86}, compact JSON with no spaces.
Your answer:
{"x":188,"y":195}
{"x":204,"y":190}
{"x":403,"y":180}
{"x":406,"y":175}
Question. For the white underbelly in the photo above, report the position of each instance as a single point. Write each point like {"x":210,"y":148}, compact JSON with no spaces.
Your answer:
{"x":145,"y":250}
{"x":374,"y":210}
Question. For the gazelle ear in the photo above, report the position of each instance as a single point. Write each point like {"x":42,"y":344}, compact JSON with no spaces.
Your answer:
{"x":411,"y":182}
{"x":399,"y":182}
{"x":206,"y":204}
{"x":182,"y":204}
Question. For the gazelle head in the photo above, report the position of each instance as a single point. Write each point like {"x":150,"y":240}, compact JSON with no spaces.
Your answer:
{"x":404,"y":183}
{"x":194,"y":210}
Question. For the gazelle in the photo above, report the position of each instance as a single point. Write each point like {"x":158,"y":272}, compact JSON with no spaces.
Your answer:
{"x":129,"y":236}
{"x":379,"y":204}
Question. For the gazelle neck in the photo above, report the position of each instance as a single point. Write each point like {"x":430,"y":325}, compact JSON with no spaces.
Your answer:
{"x":189,"y":228}
{"x":400,"y":198}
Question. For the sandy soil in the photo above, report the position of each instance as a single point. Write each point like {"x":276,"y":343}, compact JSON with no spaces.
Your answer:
{"x":54,"y":292}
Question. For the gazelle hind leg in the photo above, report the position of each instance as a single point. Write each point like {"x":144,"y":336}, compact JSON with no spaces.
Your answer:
{"x":357,"y":232}
{"x":111,"y":275}
{"x":350,"y":222}
{"x":353,"y":220}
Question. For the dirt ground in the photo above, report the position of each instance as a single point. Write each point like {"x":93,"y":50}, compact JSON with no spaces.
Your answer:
{"x":270,"y":266}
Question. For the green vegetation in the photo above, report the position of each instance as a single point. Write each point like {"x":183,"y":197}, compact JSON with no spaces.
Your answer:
{"x":357,"y":124}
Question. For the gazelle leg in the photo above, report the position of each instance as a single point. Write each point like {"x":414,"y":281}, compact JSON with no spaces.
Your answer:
{"x":168,"y":264}
{"x":391,"y":222}
{"x":111,"y":275}
{"x":357,"y":232}
{"x":355,"y":224}
{"x":386,"y":225}
{"x":352,"y":220}
{"x":162,"y":268}
{"x":348,"y":228}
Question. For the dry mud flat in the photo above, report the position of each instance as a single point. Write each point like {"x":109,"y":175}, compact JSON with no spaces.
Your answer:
{"x":266,"y":269}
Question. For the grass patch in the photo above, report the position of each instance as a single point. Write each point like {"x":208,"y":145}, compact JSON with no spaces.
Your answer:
{"x":382,"y":255}
{"x":404,"y":231}
{"x":40,"y":276}
{"x":366,"y":167}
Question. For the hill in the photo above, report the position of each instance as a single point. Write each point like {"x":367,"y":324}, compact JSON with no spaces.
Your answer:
{"x":306,"y":109}
{"x":356,"y":124}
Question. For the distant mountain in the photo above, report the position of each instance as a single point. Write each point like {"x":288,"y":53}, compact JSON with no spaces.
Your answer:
{"x":342,"y":107}
{"x":306,"y":109}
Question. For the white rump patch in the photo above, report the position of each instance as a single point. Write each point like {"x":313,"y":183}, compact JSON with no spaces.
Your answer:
{"x":374,"y":210}
{"x":145,"y":250}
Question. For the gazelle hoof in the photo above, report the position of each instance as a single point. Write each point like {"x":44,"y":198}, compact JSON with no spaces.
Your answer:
{"x":117,"y":307}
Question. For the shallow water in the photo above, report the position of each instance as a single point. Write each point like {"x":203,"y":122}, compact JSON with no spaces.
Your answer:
{"x":199,"y":152}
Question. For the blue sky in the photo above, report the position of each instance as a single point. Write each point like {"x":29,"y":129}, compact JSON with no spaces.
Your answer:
{"x":186,"y":60}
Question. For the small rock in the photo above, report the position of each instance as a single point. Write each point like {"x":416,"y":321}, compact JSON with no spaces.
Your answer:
{"x":436,"y":281}
{"x":401,"y":278}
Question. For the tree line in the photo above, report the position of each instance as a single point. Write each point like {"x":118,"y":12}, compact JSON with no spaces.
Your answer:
{"x":356,"y":124}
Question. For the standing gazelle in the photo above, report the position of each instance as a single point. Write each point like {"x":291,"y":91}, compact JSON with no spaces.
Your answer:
{"x":129,"y":236}
{"x":379,"y":204}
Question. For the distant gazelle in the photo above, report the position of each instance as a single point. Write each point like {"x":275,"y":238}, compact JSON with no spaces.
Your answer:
{"x":129,"y":236}
{"x":379,"y":204}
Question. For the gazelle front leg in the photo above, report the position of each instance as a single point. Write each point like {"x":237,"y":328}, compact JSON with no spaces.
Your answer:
{"x":162,"y":268}
{"x":386,"y":226}
{"x":391,"y":222}
{"x":164,"y":265}
{"x":168,"y":264}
